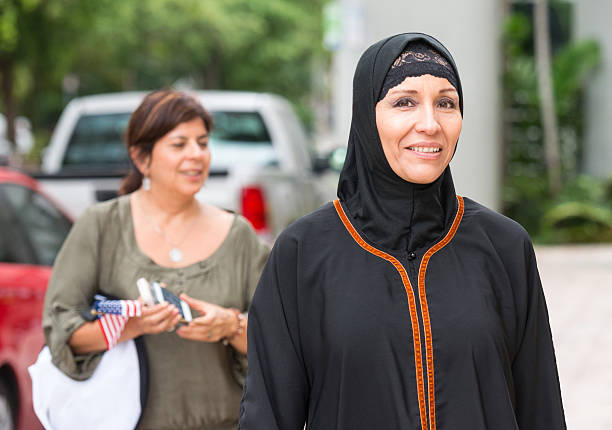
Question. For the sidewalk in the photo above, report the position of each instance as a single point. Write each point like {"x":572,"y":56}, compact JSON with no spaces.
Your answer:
{"x":577,"y":282}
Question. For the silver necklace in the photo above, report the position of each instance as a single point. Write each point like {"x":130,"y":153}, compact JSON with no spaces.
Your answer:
{"x":175,"y":254}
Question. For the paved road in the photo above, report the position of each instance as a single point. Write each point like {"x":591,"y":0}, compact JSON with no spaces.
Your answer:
{"x":577,"y":282}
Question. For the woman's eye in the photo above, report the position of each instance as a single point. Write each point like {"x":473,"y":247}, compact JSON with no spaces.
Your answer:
{"x":178,"y":144}
{"x":203,"y":143}
{"x":404,"y":102}
{"x":447,"y":104}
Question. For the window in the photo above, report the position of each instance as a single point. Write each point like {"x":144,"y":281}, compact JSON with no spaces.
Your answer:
{"x":13,"y":248}
{"x":238,"y":139}
{"x":98,"y":140}
{"x":45,"y":226}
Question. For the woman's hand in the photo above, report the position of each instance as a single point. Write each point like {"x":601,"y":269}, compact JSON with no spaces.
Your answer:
{"x":154,"y":319}
{"x":214,"y":324}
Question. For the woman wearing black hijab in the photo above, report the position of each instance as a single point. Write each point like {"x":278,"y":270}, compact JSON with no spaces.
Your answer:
{"x":402,"y":305}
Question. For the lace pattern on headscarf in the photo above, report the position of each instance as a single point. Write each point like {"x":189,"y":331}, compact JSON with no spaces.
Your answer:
{"x":416,"y":60}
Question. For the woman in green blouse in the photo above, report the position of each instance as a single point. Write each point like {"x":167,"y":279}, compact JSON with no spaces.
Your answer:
{"x":158,"y":230}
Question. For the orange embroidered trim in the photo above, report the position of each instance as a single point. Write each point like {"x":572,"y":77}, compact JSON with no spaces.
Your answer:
{"x":416,"y":336}
{"x":425,"y":311}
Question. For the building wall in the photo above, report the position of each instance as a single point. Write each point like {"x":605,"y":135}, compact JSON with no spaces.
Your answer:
{"x":477,"y":51}
{"x":592,"y":20}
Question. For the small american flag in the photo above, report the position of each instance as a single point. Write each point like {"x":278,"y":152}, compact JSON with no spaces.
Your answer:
{"x":113,"y":315}
{"x":126,"y":308}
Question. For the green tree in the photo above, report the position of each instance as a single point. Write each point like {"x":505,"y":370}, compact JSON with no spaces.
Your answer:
{"x":11,"y":13}
{"x":37,"y":44}
{"x":260,"y":45}
{"x":526,"y":186}
{"x":114,"y":45}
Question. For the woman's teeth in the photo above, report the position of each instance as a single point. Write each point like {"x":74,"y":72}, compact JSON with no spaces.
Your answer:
{"x":424,"y":149}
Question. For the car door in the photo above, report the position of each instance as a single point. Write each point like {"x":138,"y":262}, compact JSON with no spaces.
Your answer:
{"x":32,"y":231}
{"x":41,"y":225}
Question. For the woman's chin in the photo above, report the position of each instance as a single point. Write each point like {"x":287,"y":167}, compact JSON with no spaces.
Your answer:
{"x":420,"y":176}
{"x":187,"y":190}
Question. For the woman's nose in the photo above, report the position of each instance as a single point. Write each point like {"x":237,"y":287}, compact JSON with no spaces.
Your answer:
{"x":427,"y":122}
{"x":194,"y":149}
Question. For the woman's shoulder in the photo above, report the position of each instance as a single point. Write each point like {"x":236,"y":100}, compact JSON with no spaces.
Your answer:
{"x":101,"y":212}
{"x":494,"y":224}
{"x":236,"y":226}
{"x":315,"y":225}
{"x":241,"y":226}
{"x":105,"y":207}
{"x":238,"y":229}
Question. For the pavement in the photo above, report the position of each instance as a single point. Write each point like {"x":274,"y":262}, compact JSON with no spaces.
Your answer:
{"x":577,"y":282}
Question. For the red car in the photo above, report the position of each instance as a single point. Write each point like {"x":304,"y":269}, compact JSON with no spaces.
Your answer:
{"x":32,"y":230}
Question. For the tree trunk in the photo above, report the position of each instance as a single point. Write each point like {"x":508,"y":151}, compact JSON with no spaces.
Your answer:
{"x":6,"y":70}
{"x":506,"y":101}
{"x":212,"y":72}
{"x":547,"y":99}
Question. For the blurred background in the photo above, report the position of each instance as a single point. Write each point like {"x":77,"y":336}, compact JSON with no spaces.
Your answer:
{"x":541,"y":157}
{"x":536,"y":143}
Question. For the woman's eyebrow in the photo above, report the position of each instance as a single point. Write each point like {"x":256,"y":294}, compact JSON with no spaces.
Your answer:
{"x":407,"y":91}
{"x":402,"y":91}
{"x":181,"y":137}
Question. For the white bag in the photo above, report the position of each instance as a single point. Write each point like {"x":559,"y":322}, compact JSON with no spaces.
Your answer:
{"x":109,"y":399}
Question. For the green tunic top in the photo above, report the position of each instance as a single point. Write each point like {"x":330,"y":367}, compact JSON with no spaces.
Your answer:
{"x":191,"y":384}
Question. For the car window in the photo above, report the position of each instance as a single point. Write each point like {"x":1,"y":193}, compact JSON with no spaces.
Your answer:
{"x":240,"y":139}
{"x":14,"y":248}
{"x":237,"y":139}
{"x":45,"y":226}
{"x":98,"y":139}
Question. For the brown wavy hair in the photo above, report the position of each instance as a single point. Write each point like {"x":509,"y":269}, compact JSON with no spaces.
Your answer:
{"x":159,"y":113}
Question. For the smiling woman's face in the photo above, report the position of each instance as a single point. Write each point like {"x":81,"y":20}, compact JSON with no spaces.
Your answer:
{"x":180,"y":160}
{"x":419,"y":122}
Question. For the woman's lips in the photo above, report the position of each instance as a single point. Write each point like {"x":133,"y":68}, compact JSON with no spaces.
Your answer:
{"x":426,"y":151}
{"x":192,"y":174}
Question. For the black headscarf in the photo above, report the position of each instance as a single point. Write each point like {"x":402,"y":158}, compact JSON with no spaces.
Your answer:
{"x":391,"y":212}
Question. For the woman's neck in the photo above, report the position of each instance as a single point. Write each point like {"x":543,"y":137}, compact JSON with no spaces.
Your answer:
{"x":168,"y":207}
{"x":401,"y":215}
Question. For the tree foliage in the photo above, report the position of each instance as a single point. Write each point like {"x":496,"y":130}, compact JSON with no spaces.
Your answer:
{"x":38,"y":40}
{"x":526,"y":195}
{"x":119,"y":45}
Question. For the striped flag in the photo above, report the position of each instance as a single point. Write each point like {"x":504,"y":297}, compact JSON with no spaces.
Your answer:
{"x":111,"y":326}
{"x":113,"y":315}
{"x":126,"y":308}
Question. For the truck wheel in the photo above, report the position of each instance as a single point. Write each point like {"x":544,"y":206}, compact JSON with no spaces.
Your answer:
{"x":6,"y":411}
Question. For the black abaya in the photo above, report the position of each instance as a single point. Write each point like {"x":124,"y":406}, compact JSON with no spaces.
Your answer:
{"x":400,"y":306}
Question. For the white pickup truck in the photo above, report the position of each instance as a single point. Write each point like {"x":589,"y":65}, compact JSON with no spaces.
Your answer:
{"x":262,"y":165}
